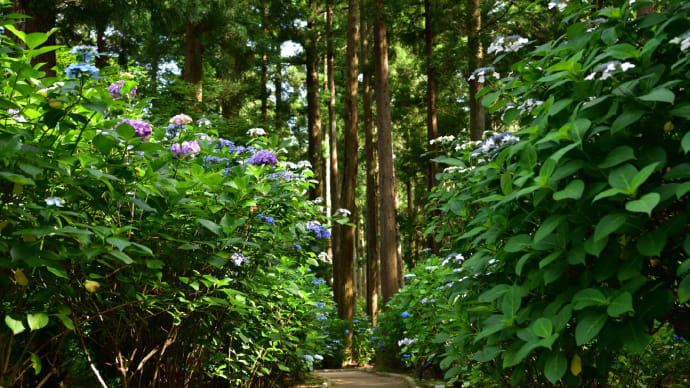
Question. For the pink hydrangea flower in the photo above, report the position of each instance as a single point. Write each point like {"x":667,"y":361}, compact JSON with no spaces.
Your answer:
{"x":114,"y":90}
{"x":186,"y":149}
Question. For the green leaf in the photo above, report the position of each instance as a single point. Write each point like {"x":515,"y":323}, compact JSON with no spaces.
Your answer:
{"x":487,"y":354}
{"x":652,"y":243}
{"x":620,"y":305}
{"x":511,"y":301}
{"x":617,"y":156}
{"x":588,"y":327}
{"x":573,"y":190}
{"x":608,"y":225}
{"x":681,"y":110}
{"x":589,"y":297}
{"x":683,"y":268}
{"x":684,"y":290}
{"x":625,"y":119}
{"x":36,"y":363}
{"x":59,"y":272}
{"x":542,"y":327}
{"x":659,"y":94}
{"x":634,"y":336}
{"x":548,"y":226}
{"x":623,"y":51}
{"x":14,"y":325}
{"x":518,"y":243}
{"x":35,"y":39}
{"x":99,"y":107}
{"x":119,"y":243}
{"x":685,"y":143}
{"x":16,"y":178}
{"x":210,"y":225}
{"x":681,"y":171}
{"x":555,"y":366}
{"x":494,"y":293}
{"x":448,"y":160}
{"x":121,"y":256}
{"x":67,"y":321}
{"x":645,"y":204}
{"x":37,"y":321}
{"x":641,"y":177}
{"x":621,"y":178}
{"x":126,"y":131}
{"x":521,"y":263}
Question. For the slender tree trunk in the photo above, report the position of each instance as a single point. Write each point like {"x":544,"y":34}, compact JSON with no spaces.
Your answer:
{"x":347,"y":197}
{"x":264,"y":70}
{"x":431,"y":121}
{"x":332,"y":130}
{"x":278,"y":80}
{"x":193,"y":65}
{"x":372,"y":218}
{"x":477,"y":112}
{"x":314,"y":110}
{"x":389,"y":226}
{"x":101,"y":60}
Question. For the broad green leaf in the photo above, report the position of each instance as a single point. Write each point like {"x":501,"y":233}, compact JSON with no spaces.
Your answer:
{"x":685,"y":143}
{"x":634,"y":336}
{"x":620,"y":305}
{"x":96,"y":107}
{"x":126,"y":131}
{"x":621,"y":177}
{"x":645,"y":204}
{"x":684,"y":290}
{"x":681,"y":171}
{"x":517,"y":243}
{"x":652,"y":243}
{"x":511,"y":301}
{"x":548,"y":226}
{"x":589,"y":297}
{"x":588,"y":327}
{"x":609,"y":224}
{"x":555,"y":366}
{"x":623,"y":51}
{"x":524,"y":351}
{"x":14,"y":325}
{"x":67,"y":321}
{"x":448,"y":160}
{"x":683,"y":268}
{"x":37,"y":321}
{"x":521,"y":263}
{"x":681,"y":110}
{"x":487,"y":354}
{"x":659,"y":94}
{"x":625,"y":119}
{"x":16,"y":178}
{"x":617,"y":156}
{"x":121,"y":256}
{"x":573,"y":190}
{"x":36,"y":363}
{"x":210,"y":225}
{"x":542,"y":327}
{"x":118,"y":243}
{"x":494,"y":293}
{"x":641,"y":177}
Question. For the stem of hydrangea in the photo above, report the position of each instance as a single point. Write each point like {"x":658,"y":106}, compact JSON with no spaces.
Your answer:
{"x":81,"y":133}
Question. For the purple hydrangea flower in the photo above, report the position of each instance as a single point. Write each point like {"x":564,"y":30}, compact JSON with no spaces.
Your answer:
{"x":141,"y":128}
{"x":238,"y":259}
{"x":263,"y":157}
{"x":186,"y":149}
{"x":320,"y":230}
{"x":114,"y":90}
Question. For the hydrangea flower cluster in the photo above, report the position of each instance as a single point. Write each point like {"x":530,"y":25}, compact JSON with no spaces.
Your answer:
{"x":318,"y":281}
{"x":455,"y":257}
{"x":186,"y":149}
{"x":76,"y":70}
{"x":256,"y":132}
{"x":203,"y":122}
{"x":407,"y":341}
{"x":238,"y":259}
{"x":606,"y":70}
{"x":209,"y":160}
{"x":88,"y":52}
{"x":55,"y":201}
{"x":267,"y":219}
{"x":286,"y":176}
{"x":115,"y":88}
{"x":560,"y":4}
{"x":263,"y":157}
{"x":427,"y":300}
{"x":493,"y":143}
{"x":405,"y":314}
{"x":181,"y":119}
{"x":529,"y":105}
{"x":442,"y":140}
{"x":482,"y":73}
{"x":683,"y":41}
{"x":511,"y":43}
{"x":141,"y":129}
{"x":320,"y":230}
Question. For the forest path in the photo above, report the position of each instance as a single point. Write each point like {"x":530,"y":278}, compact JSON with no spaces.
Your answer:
{"x":352,"y":378}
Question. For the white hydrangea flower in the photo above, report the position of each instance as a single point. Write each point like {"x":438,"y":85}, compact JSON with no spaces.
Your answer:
{"x":683,"y":41}
{"x":55,"y":201}
{"x":256,"y":132}
{"x":442,"y":139}
{"x":606,"y":70}
{"x":511,"y":43}
{"x":560,"y":4}
{"x":482,"y":73}
{"x":529,"y":105}
{"x":342,"y":212}
{"x":304,"y":164}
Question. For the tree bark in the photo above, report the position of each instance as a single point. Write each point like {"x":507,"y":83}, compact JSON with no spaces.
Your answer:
{"x":372,"y":218}
{"x":264,"y":69}
{"x":41,"y":20}
{"x":389,"y":226}
{"x":193,"y":65}
{"x":314,"y":109}
{"x":431,"y":120}
{"x":278,"y":80}
{"x":347,"y":196}
{"x":474,"y":43}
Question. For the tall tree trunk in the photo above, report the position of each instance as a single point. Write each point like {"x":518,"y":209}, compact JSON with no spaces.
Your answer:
{"x":389,"y":226}
{"x":347,"y":196}
{"x":372,"y":217}
{"x":332,"y":130}
{"x":431,"y":121}
{"x":42,"y":19}
{"x":264,"y":69}
{"x":314,"y":109}
{"x":101,"y":60}
{"x":278,"y":80}
{"x":474,"y":43}
{"x":193,"y":65}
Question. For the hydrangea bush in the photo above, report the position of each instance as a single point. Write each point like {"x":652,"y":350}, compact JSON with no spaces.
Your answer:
{"x":127,"y":260}
{"x":575,"y":231}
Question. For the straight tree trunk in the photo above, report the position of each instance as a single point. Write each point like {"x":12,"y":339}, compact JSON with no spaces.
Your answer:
{"x":314,"y":110}
{"x":389,"y":226}
{"x":477,"y":112}
{"x":431,"y":121}
{"x":264,"y":70}
{"x":42,"y":19}
{"x":372,"y":218}
{"x":347,"y":196}
{"x":193,"y":65}
{"x":278,"y":80}
{"x":332,"y":130}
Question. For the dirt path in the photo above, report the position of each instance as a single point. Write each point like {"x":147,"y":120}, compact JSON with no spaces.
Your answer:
{"x":352,"y":378}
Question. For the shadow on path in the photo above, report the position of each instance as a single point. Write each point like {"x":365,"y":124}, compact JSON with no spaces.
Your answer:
{"x":360,"y":378}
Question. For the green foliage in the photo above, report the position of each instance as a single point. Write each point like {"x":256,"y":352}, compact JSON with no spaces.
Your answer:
{"x":115,"y":249}
{"x":575,"y":231}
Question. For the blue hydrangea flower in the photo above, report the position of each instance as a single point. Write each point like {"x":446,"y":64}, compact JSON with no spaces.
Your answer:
{"x":320,"y":304}
{"x":321,"y":318}
{"x":76,"y":70}
{"x":308,"y":358}
{"x":406,"y":355}
{"x":266,"y":219}
{"x":336,"y":341}
{"x":87,"y":51}
{"x":320,"y":230}
{"x":318,"y":281}
{"x":405,"y":314}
